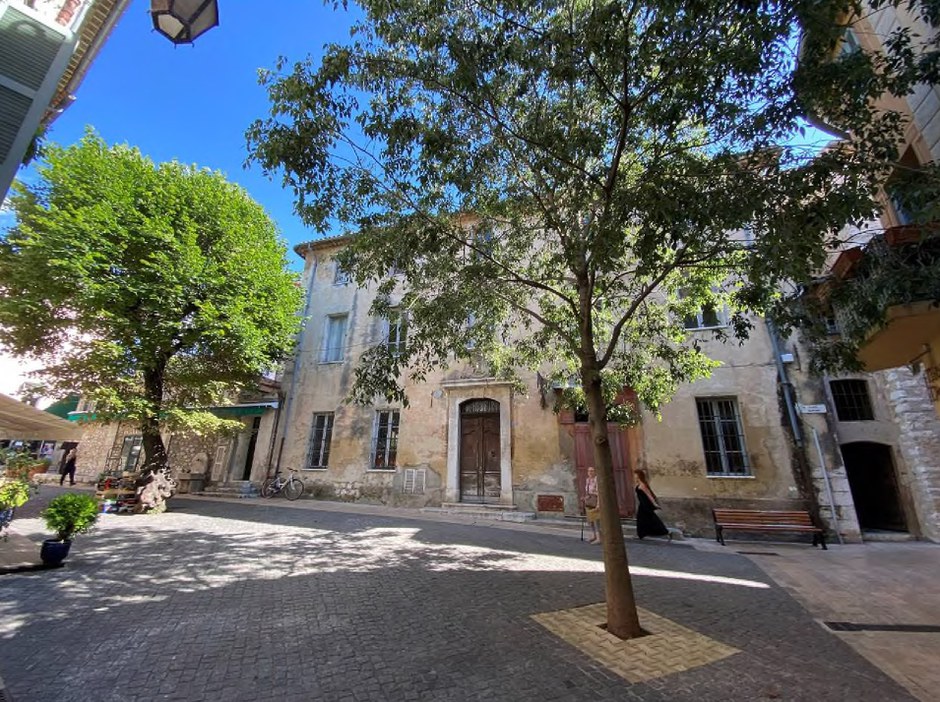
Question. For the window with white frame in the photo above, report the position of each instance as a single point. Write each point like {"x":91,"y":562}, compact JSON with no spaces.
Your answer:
{"x":471,"y":323}
{"x":385,"y":440}
{"x":396,"y":331}
{"x":707,"y":317}
{"x":334,"y":339}
{"x":722,"y":436}
{"x":850,"y":43}
{"x":341,"y":275}
{"x":318,"y":455}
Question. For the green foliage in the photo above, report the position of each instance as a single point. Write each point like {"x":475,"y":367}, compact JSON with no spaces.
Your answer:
{"x":19,"y":465}
{"x":13,"y":493}
{"x":149,"y":288}
{"x":626,"y":164}
{"x":71,"y":514}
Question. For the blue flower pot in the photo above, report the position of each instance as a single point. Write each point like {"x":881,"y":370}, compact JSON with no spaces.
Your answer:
{"x":54,"y":552}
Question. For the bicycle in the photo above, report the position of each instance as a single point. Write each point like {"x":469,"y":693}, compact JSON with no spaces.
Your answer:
{"x":291,"y":486}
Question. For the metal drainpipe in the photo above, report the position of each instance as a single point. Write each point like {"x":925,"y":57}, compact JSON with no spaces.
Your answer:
{"x":288,"y":404}
{"x":787,"y":387}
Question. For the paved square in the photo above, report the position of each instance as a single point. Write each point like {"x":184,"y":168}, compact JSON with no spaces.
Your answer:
{"x":262,"y":600}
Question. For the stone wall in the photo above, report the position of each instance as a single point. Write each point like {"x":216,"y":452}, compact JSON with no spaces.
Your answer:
{"x":919,"y":445}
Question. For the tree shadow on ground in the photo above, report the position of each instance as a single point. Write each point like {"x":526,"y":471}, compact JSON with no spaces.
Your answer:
{"x":194,"y":606}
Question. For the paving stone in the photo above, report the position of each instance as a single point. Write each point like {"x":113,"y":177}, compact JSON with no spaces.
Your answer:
{"x":263,"y":601}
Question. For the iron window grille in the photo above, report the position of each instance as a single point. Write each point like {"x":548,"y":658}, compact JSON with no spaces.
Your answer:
{"x":385,"y":440}
{"x":318,"y":457}
{"x":851,"y":400}
{"x":722,"y":436}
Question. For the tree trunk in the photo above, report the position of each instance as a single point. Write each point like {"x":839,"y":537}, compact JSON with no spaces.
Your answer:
{"x":622,"y":617}
{"x":155,"y":485}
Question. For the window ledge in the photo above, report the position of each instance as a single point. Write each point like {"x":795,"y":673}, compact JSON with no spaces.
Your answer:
{"x":315,"y":470}
{"x":330,"y":363}
{"x":730,"y":476}
{"x":381,"y":470}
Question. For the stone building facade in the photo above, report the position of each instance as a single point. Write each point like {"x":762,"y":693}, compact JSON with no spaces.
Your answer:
{"x":885,"y":423}
{"x":533,"y":459}
{"x":213,"y":458}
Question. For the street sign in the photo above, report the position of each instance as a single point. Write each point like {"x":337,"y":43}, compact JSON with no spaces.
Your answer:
{"x":810,"y":409}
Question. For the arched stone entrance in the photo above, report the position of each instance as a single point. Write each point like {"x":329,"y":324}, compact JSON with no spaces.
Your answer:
{"x":480,"y":479}
{"x":481,"y":436}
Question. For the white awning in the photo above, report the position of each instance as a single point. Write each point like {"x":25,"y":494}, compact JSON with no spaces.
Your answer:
{"x":21,"y":421}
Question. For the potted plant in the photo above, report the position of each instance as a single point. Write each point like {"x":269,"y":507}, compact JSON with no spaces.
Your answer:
{"x":19,"y":465}
{"x":67,"y":515}
{"x":13,"y":494}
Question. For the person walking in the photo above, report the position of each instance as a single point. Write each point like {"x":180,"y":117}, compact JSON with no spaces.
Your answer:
{"x":589,"y":503}
{"x":647,"y":523}
{"x":68,"y":468}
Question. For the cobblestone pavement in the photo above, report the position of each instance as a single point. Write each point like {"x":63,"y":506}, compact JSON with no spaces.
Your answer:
{"x":874,"y":585}
{"x":261,"y":601}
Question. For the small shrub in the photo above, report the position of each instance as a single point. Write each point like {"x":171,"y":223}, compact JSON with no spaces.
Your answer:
{"x":13,"y":494}
{"x":71,"y":514}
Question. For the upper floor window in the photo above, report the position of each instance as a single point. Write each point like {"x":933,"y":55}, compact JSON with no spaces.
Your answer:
{"x":850,"y":43}
{"x":385,"y":440}
{"x":707,"y":317}
{"x":851,"y":400}
{"x":334,"y":339}
{"x":722,"y":436}
{"x":396,"y":331}
{"x":341,"y":276}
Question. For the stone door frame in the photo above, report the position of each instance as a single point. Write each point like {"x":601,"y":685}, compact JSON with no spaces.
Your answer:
{"x":458,"y":391}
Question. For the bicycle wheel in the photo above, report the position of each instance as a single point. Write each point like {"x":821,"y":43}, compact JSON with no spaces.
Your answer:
{"x":294,"y":489}
{"x":268,"y":487}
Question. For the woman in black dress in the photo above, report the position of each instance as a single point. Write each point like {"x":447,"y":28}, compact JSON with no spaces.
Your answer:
{"x":647,"y":523}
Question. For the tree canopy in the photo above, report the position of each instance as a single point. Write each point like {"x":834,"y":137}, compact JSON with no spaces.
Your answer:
{"x":562,"y":184}
{"x":154,"y":289}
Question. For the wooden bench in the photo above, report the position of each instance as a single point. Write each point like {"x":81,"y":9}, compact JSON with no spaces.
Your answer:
{"x":767,"y":521}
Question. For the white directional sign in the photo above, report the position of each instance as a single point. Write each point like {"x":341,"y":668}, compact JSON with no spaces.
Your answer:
{"x":811,"y":409}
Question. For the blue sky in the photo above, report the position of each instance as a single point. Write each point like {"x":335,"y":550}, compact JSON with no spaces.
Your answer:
{"x":194,"y":103}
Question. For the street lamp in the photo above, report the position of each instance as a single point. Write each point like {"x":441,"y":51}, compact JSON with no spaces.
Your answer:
{"x":181,"y":21}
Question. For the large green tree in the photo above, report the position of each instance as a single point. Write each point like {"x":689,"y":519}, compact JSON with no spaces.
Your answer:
{"x":154,"y":289}
{"x":562,"y":183}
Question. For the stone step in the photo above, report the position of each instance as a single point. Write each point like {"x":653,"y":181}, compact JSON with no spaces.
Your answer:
{"x":479,"y":506}
{"x":888,"y":536}
{"x":235,"y":489}
{"x":480,"y":512}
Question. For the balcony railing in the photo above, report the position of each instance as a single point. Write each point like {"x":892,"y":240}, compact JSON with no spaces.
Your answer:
{"x":899,"y":267}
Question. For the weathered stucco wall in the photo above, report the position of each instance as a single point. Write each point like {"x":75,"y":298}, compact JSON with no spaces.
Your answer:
{"x":673,"y":450}
{"x":540,"y":452}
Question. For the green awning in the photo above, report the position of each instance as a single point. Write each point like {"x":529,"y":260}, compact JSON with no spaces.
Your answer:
{"x":242,"y":410}
{"x":255,"y":409}
{"x":62,"y":408}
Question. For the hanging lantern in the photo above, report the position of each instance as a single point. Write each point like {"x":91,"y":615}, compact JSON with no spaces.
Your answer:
{"x":181,"y":21}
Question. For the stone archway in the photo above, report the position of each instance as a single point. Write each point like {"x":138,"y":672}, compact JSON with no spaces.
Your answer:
{"x":874,"y":484}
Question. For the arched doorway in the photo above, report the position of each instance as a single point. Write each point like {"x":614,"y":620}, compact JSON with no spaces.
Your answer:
{"x":874,"y":484}
{"x":480,"y":468}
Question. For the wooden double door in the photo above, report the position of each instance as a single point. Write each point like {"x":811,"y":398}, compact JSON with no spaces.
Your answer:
{"x":480,"y":479}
